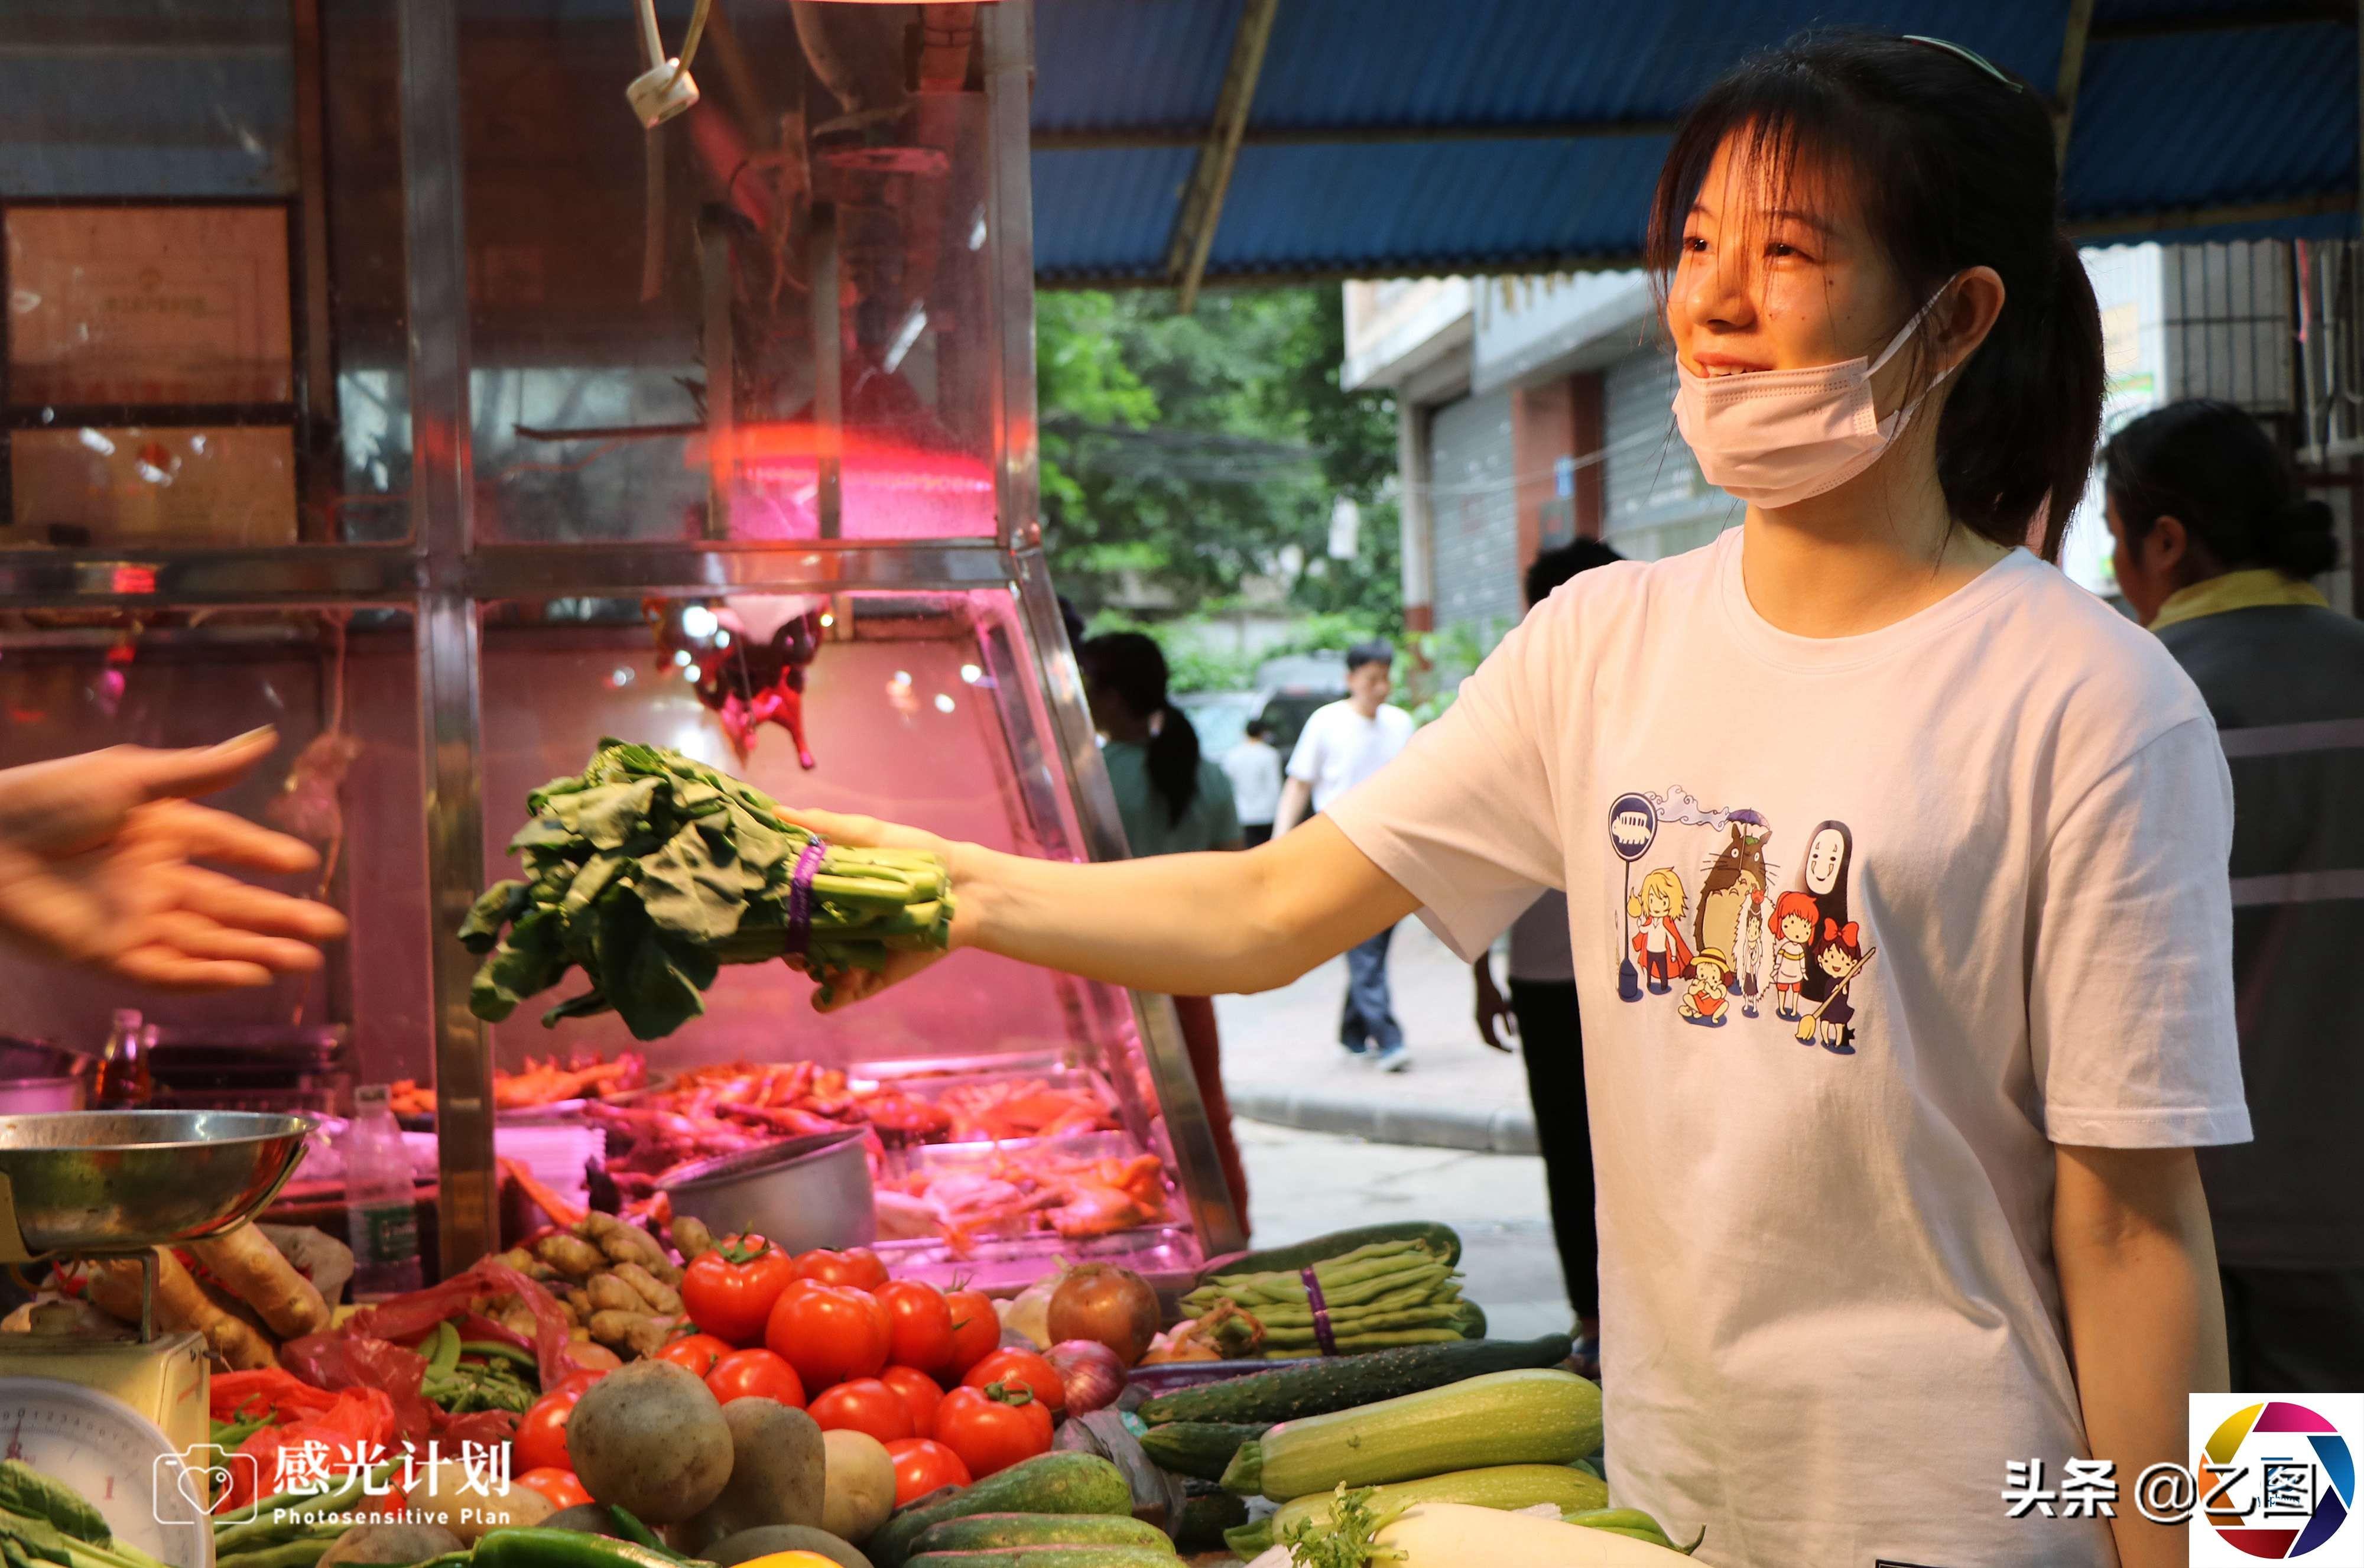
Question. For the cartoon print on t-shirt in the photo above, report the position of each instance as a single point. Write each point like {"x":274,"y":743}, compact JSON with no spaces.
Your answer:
{"x":1663,"y":955}
{"x":1839,"y":955}
{"x":1703,"y":1000}
{"x":1737,"y":874}
{"x":1794,"y":920}
{"x":1751,"y":952}
{"x":1830,"y":850}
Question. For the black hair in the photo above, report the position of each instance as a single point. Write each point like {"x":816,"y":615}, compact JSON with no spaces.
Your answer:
{"x":1072,"y":619}
{"x":1132,"y":667}
{"x":1258,"y":728}
{"x":1364,"y":654}
{"x":1953,"y":163}
{"x":2213,"y":468}
{"x":1554,"y":567}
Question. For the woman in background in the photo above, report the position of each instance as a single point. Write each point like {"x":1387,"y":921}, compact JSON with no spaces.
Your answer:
{"x":1173,"y":800}
{"x":2214,"y":547}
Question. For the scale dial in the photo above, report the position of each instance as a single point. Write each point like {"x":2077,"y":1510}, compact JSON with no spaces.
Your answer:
{"x":114,"y":1457}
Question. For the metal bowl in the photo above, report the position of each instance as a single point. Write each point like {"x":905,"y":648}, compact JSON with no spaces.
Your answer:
{"x":801,"y":1192}
{"x":120,"y":1181}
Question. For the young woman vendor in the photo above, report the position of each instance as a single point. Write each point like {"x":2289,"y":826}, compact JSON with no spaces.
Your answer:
{"x":1941,"y":1213}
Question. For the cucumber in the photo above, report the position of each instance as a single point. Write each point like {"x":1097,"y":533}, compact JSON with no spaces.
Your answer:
{"x":1340,"y":1382}
{"x":986,"y":1532}
{"x":1507,"y":1486}
{"x":1061,"y":1482}
{"x":1198,"y":1447}
{"x":1530,"y":1417}
{"x":1052,"y":1557}
{"x":1442,"y":1239}
{"x":1208,"y":1512}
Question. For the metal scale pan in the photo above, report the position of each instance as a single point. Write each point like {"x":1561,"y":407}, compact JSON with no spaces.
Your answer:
{"x":118,"y":1184}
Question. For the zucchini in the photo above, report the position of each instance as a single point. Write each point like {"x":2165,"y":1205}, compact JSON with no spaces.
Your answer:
{"x":1530,"y":1416}
{"x":1060,"y":1482}
{"x":1198,"y":1447}
{"x":1207,"y":1513}
{"x":1340,"y":1382}
{"x":986,"y":1532}
{"x":1052,"y":1557}
{"x":1509,"y":1486}
{"x":1442,"y":1239}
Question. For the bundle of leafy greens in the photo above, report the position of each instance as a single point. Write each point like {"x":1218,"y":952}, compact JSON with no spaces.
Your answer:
{"x":43,"y":1520}
{"x":650,"y":872}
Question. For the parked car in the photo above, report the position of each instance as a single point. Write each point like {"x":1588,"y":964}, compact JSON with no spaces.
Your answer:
{"x":1220,"y":717}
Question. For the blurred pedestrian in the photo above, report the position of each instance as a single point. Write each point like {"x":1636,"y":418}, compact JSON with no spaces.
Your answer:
{"x":1343,"y":744}
{"x":1172,"y":801}
{"x":1540,"y":1013}
{"x":2214,"y":547}
{"x":1254,"y":768}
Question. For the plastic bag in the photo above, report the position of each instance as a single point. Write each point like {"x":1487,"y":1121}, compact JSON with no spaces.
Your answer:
{"x":407,"y":1317}
{"x":354,"y":1427}
{"x":342,"y":1361}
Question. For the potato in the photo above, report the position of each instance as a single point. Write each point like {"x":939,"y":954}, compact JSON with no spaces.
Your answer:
{"x":391,"y":1543}
{"x":650,"y":1438}
{"x":779,"y":1467}
{"x":761,"y":1542}
{"x":861,"y":1485}
{"x":445,"y":1497}
{"x":586,"y":1518}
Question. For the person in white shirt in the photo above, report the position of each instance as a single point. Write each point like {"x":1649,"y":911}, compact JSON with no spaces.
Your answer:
{"x":1540,"y":1013}
{"x":1254,"y":767}
{"x":1343,"y":744}
{"x":1945,"y":1224}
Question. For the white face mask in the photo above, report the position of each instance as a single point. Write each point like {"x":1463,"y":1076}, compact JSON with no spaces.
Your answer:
{"x":1775,"y":438}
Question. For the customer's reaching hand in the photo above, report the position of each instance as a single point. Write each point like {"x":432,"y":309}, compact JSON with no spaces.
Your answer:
{"x":97,"y":856}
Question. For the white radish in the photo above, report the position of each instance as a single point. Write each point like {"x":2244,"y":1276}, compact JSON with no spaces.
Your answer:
{"x":1455,"y":1535}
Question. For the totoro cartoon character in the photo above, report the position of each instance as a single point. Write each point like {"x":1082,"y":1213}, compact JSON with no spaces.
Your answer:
{"x":1735,"y":876}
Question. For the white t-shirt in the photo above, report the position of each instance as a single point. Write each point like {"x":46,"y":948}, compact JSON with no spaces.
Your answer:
{"x":1830,"y":1309}
{"x":1338,"y":747}
{"x":1254,"y":770}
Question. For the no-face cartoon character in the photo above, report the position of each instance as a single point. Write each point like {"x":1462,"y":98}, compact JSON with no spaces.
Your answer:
{"x":1830,"y":856}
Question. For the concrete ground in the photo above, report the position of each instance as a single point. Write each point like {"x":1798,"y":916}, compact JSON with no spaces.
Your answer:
{"x":1331,"y":1143}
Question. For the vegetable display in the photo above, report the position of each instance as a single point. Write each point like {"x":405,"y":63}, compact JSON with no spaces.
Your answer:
{"x":650,"y":870}
{"x":1510,"y":1487}
{"x":1318,"y":1387}
{"x":1533,"y":1416}
{"x":1050,"y":1483}
{"x":1378,"y":1296}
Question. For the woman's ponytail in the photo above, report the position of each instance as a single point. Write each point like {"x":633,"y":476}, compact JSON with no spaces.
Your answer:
{"x":1132,"y":667}
{"x":2211,"y":467}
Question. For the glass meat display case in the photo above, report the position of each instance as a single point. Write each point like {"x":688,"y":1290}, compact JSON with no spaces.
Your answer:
{"x":452,"y":384}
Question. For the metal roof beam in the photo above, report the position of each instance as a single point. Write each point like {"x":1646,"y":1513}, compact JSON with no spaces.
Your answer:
{"x":1110,"y":138}
{"x":2073,"y":36}
{"x":1218,"y":152}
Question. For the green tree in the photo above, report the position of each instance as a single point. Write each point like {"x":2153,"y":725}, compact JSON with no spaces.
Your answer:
{"x":1189,"y":453}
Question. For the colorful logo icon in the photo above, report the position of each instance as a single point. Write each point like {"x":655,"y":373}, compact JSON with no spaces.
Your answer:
{"x":2277,"y":1481}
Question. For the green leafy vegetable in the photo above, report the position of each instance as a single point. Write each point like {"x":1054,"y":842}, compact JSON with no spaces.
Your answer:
{"x":27,"y":1492}
{"x":650,"y":870}
{"x":1349,"y":1540}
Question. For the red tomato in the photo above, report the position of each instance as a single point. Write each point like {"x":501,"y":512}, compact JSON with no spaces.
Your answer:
{"x":541,"y":1440}
{"x":922,"y":1323}
{"x":559,"y":1486}
{"x":857,"y":1266}
{"x":729,"y":1292}
{"x":575,"y":1382}
{"x":922,"y":1466}
{"x":920,"y":1396}
{"x":993,"y":1429}
{"x":755,"y":1375}
{"x":696,"y":1352}
{"x":1022,"y":1367}
{"x":975,"y":1330}
{"x":865,"y":1405}
{"x":829,"y":1334}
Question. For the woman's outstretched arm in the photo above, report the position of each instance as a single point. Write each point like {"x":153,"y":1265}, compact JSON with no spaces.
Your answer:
{"x":1185,"y":925}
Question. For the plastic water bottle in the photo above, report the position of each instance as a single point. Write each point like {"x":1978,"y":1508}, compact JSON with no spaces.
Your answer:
{"x":381,"y":1216}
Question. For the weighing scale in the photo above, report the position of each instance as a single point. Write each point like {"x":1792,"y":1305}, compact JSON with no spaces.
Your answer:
{"x":126,"y":1424}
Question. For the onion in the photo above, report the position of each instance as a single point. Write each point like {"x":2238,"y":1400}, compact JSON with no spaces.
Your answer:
{"x":1089,"y":1374}
{"x":1113,"y":1306}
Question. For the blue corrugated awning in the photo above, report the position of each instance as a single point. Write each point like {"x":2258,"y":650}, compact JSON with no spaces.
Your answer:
{"x":1394,"y":137}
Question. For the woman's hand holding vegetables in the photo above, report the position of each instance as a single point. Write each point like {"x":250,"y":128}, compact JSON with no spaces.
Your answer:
{"x":848,"y":985}
{"x":97,"y":856}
